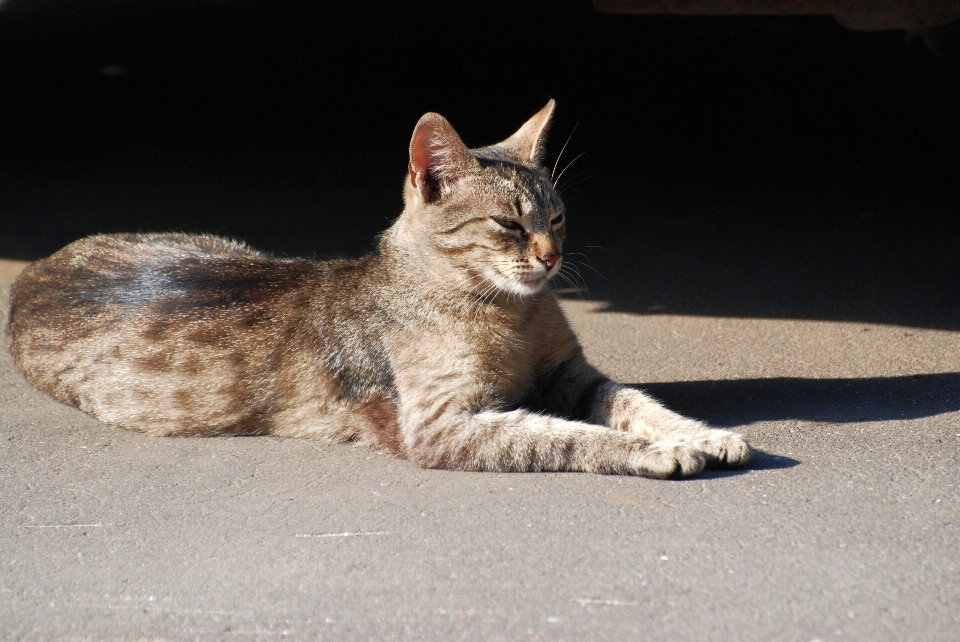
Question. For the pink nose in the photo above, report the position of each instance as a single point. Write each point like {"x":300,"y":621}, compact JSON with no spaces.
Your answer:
{"x":550,"y":260}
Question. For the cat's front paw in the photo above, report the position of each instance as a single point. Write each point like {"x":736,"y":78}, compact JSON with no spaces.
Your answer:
{"x":723,"y":448}
{"x":664,"y":459}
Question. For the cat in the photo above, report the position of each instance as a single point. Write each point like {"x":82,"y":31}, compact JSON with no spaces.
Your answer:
{"x":445,"y":346}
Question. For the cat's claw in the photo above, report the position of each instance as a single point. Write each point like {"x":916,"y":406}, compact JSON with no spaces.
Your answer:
{"x":723,"y":448}
{"x":664,"y":459}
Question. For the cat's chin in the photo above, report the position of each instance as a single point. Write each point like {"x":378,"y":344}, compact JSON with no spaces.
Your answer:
{"x":513,"y":286}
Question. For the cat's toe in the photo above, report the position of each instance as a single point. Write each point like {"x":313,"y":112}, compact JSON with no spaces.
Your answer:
{"x":723,"y":448}
{"x":664,"y":459}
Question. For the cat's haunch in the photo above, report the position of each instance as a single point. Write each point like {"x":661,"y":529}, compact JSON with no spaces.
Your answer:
{"x":445,"y":346}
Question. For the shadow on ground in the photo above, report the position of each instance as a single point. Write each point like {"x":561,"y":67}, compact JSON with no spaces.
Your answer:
{"x":745,"y":401}
{"x":761,"y":461}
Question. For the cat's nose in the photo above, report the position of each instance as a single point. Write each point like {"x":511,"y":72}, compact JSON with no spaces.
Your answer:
{"x":550,"y":260}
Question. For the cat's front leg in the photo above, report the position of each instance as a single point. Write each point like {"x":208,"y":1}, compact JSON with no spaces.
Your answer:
{"x":636,"y":412}
{"x":522,"y":441}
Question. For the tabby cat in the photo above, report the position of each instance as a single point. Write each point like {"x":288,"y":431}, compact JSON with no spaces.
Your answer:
{"x":445,"y":346}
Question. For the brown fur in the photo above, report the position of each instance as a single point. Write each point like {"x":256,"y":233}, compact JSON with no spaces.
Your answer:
{"x":444,"y":346}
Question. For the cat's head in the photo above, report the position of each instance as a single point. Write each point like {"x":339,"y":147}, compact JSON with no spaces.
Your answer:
{"x":489,"y":217}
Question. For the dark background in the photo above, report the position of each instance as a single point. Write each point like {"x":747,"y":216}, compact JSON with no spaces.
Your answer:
{"x":764,"y":167}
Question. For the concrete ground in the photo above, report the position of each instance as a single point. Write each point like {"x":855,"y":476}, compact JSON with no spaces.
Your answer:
{"x":765,"y":227}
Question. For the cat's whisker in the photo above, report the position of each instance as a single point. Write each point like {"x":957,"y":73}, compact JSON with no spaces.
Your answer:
{"x":575,"y":279}
{"x":579,"y":254}
{"x":574,"y":269}
{"x":569,"y":283}
{"x":482,"y":299}
{"x":562,"y":149}
{"x":588,"y":262}
{"x":468,"y":299}
{"x":567,"y":188}
{"x":573,"y":273}
{"x":587,"y":265}
{"x":459,"y":283}
{"x":556,"y":182}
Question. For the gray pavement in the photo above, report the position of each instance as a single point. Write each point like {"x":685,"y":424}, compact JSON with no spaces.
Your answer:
{"x":844,"y":527}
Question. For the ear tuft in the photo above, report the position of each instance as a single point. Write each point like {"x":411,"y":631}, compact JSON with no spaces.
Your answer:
{"x":436,"y":154}
{"x":527,"y":144}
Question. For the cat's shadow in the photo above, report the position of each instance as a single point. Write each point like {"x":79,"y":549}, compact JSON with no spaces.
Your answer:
{"x":761,"y":460}
{"x":737,"y":402}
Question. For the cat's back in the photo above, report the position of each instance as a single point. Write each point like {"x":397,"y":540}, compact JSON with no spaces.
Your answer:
{"x":140,"y":277}
{"x":131,"y":268}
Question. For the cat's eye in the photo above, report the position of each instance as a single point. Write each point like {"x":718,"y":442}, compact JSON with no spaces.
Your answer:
{"x":507,"y":223}
{"x":557,"y":220}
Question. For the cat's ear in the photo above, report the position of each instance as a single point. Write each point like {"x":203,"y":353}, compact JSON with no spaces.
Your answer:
{"x":437,"y":156}
{"x":527,"y":144}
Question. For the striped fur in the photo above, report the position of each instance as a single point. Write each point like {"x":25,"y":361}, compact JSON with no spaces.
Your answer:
{"x":443,"y":347}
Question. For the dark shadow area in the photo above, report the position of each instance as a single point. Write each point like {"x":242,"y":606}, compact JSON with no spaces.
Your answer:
{"x":761,"y":461}
{"x":767,"y":461}
{"x":751,"y":167}
{"x":745,"y":401}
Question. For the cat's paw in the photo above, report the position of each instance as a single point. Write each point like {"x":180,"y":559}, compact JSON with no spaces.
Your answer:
{"x":722,"y":448}
{"x":663,"y":459}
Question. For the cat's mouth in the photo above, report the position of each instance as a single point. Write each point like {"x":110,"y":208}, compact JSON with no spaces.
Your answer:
{"x":520,"y":284}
